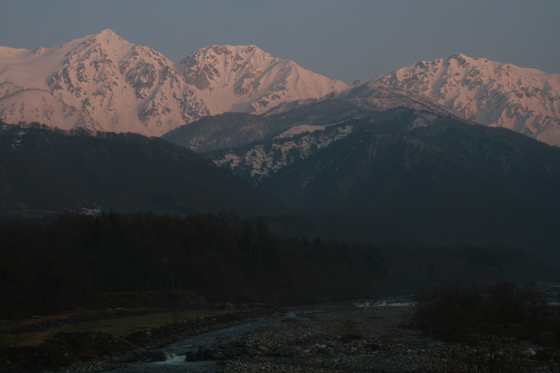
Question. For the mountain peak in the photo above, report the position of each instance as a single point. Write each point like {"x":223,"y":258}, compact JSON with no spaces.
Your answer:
{"x":210,"y":54}
{"x":106,"y":36}
{"x":459,"y":57}
{"x":107,"y":32}
{"x":246,"y":78}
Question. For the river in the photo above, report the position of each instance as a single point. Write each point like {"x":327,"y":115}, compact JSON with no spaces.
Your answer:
{"x":176,"y":351}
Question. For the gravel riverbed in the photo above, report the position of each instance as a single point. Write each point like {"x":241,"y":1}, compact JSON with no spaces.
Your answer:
{"x":344,"y":340}
{"x":368,"y":339}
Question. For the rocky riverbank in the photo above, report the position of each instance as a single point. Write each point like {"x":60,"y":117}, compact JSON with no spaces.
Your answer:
{"x":368,"y":339}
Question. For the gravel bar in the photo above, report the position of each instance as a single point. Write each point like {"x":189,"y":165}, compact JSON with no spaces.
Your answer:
{"x":366,"y":339}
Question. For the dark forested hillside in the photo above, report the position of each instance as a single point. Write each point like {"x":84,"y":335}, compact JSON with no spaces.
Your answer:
{"x":235,"y":130}
{"x":449,"y":183}
{"x":57,"y":171}
{"x":66,"y":263}
{"x":228,"y":130}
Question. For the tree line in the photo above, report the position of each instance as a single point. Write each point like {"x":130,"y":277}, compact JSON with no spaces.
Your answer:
{"x":49,"y":265}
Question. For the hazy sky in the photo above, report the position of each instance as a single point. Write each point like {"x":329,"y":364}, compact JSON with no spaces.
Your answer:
{"x":344,"y":40}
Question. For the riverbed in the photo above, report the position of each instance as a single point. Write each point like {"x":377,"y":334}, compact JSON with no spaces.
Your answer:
{"x":361,"y":336}
{"x":212,"y":340}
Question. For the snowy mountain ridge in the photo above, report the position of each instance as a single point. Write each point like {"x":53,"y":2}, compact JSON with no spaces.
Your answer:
{"x":104,"y":82}
{"x":247,"y":79}
{"x":486,"y":92}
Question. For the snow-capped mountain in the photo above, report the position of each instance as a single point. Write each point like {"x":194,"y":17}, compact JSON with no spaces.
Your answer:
{"x":101,"y":82}
{"x":486,"y":92}
{"x":247,"y":79}
{"x":104,"y":82}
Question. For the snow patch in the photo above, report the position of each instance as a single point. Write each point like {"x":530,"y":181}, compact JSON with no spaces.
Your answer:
{"x":16,"y":142}
{"x":298,"y":130}
{"x":299,"y":142}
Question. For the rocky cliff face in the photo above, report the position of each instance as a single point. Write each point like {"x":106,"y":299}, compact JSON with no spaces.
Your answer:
{"x":104,"y":82}
{"x":247,"y":79}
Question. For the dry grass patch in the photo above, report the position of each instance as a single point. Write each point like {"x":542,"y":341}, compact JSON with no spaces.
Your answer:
{"x":121,"y":326}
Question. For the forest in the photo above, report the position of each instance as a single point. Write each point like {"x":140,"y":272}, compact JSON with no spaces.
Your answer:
{"x":55,"y":264}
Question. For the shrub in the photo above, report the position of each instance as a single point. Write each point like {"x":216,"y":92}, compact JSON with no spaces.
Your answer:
{"x":490,"y":356}
{"x":505,"y":309}
{"x":450,"y":307}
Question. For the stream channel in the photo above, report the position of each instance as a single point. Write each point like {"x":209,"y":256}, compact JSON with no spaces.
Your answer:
{"x":176,"y":351}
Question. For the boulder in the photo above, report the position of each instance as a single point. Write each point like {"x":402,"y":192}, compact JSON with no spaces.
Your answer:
{"x":152,"y":356}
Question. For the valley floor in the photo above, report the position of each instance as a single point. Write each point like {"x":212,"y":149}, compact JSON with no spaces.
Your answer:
{"x":341,"y":338}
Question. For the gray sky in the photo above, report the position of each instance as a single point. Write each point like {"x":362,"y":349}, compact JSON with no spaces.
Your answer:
{"x":344,"y":40}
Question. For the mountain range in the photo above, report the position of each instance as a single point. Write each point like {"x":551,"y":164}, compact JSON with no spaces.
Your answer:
{"x":426,"y":155}
{"x":105,"y":83}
